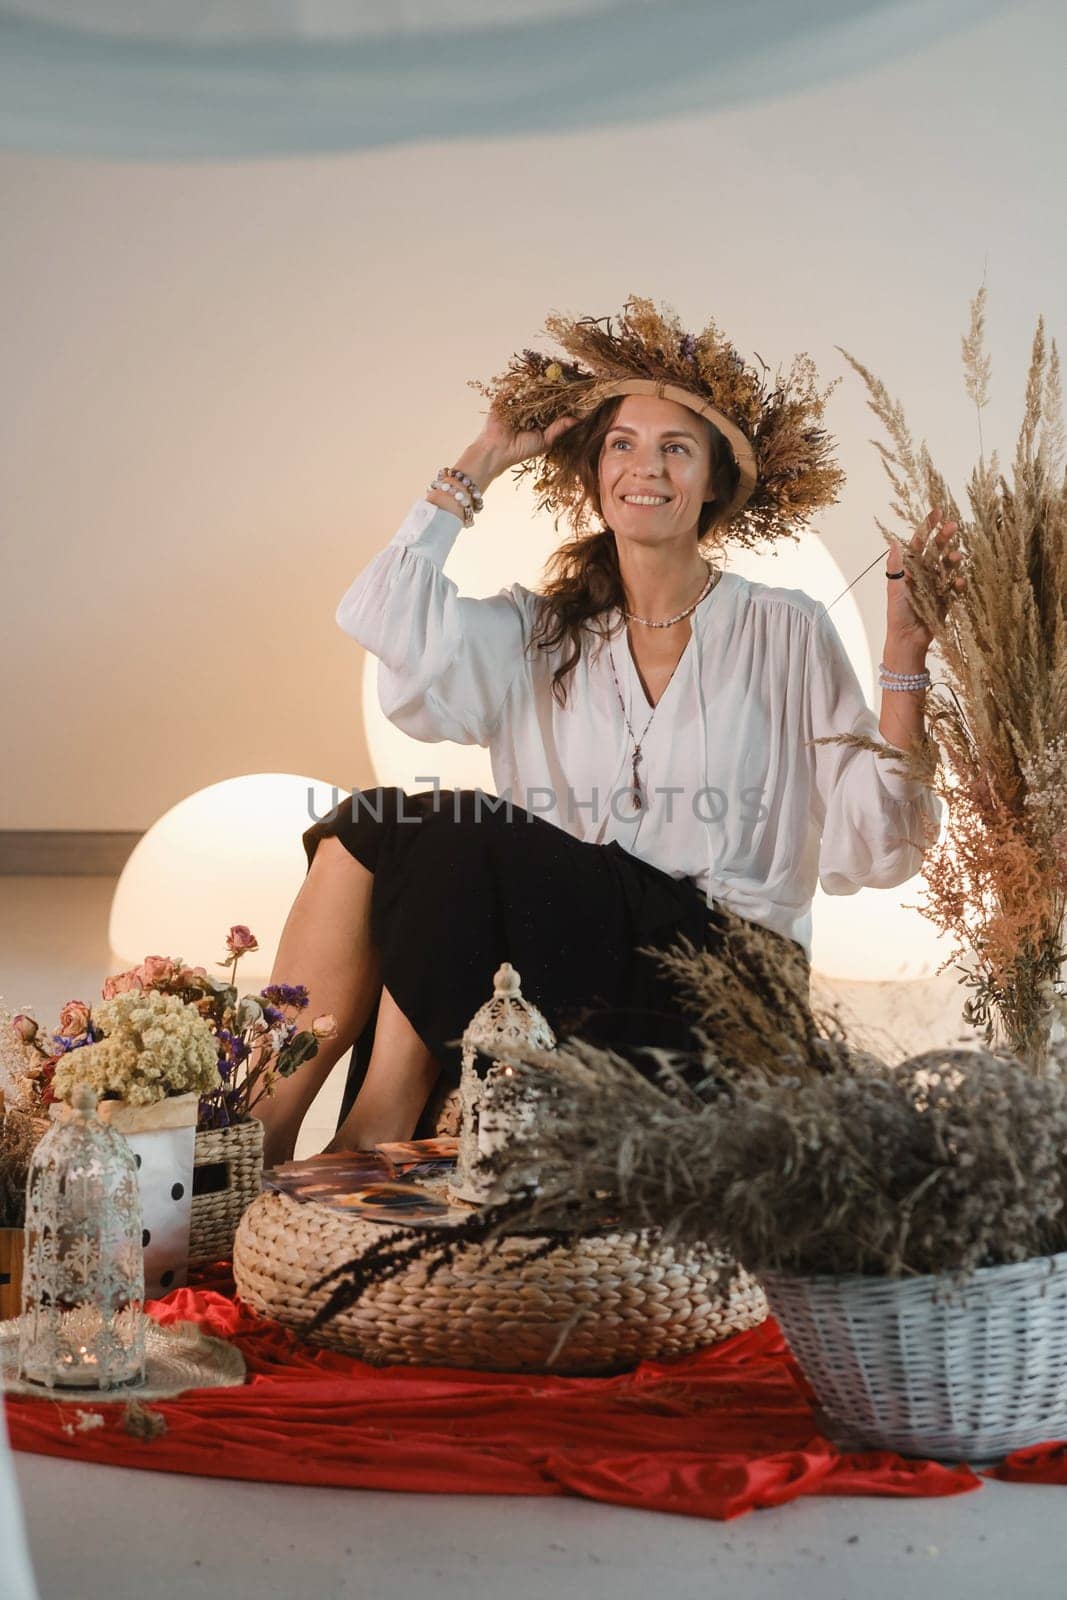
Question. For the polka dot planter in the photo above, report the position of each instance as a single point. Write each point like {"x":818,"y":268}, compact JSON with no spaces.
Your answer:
{"x":162,"y":1137}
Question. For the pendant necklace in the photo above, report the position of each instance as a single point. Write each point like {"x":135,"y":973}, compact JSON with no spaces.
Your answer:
{"x":635,"y":758}
{"x":635,"y":790}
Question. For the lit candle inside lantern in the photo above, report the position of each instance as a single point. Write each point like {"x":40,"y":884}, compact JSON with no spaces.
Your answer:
{"x":84,"y":1271}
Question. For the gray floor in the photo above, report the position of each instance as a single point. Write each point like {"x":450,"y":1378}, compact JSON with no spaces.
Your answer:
{"x":149,"y":1534}
{"x":98,"y":1533}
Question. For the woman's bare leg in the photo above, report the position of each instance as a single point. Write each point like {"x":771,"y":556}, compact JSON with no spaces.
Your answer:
{"x":400,"y":1076}
{"x":326,"y":946}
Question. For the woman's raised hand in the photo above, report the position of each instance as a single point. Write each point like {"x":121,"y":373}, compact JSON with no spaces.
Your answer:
{"x":505,"y":447}
{"x":908,"y":639}
{"x":497,"y":448}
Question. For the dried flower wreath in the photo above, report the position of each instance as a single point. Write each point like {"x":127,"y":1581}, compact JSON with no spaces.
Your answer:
{"x":773,"y":425}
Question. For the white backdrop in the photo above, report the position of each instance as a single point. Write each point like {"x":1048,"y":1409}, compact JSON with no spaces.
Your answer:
{"x":224,"y":382}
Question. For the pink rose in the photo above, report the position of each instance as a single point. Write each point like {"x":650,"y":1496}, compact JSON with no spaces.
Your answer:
{"x":324,"y":1027}
{"x":239,"y":939}
{"x":74,"y":1019}
{"x":156,"y":970}
{"x":24,"y":1028}
{"x":121,"y":983}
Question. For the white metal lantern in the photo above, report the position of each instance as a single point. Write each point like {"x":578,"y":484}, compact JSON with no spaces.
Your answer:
{"x":504,"y":1025}
{"x":82,"y":1323}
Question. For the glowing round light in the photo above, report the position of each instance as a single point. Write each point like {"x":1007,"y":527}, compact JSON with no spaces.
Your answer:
{"x":875,"y":934}
{"x":508,"y":544}
{"x":808,"y":565}
{"x":228,"y":854}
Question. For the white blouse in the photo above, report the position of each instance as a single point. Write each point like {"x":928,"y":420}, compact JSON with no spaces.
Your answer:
{"x":734,"y":794}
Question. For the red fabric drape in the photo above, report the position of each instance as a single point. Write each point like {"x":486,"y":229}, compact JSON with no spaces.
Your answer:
{"x":1042,"y":1463}
{"x":712,"y":1435}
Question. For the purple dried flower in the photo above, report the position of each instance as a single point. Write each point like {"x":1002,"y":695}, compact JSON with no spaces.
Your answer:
{"x":286,"y":994}
{"x":64,"y":1044}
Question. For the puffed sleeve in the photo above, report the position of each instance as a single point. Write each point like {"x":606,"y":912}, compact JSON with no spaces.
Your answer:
{"x":446,"y":662}
{"x":874,"y":821}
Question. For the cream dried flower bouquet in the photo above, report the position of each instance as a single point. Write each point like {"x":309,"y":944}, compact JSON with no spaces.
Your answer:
{"x":152,"y":1045}
{"x":164,"y":1028}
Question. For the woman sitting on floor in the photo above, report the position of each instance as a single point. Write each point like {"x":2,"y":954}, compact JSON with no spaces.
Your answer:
{"x":650,"y":719}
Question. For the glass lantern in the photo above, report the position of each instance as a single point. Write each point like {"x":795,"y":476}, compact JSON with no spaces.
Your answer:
{"x":82,"y":1323}
{"x":505,"y":1024}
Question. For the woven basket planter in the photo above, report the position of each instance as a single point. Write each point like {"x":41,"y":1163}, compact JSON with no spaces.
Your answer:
{"x":11,"y":1256}
{"x":596,"y":1307}
{"x":925,"y":1367}
{"x":227,"y":1174}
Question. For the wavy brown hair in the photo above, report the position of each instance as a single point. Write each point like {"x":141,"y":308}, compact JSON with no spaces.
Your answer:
{"x":582,"y":580}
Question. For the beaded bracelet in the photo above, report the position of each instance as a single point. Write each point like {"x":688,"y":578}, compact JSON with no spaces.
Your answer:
{"x":901,"y":677}
{"x":887,"y":679}
{"x":466,"y":509}
{"x":468,"y":483}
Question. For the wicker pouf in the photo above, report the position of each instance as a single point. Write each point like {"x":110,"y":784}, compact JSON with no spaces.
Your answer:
{"x":227,"y":1177}
{"x":918,"y":1365}
{"x":594,"y":1307}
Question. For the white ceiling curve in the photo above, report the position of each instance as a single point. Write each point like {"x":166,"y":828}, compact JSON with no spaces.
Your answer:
{"x":247,"y":79}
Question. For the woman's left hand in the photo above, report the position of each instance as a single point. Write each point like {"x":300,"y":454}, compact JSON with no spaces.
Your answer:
{"x":906,"y":635}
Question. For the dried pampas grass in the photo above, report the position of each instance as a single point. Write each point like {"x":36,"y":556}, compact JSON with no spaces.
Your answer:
{"x":997,"y":881}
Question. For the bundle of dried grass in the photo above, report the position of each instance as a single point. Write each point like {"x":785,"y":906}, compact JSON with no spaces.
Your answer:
{"x":997,"y":881}
{"x":614,"y":1141}
{"x":749,"y":991}
{"x":18,"y":1140}
{"x":950,"y":1161}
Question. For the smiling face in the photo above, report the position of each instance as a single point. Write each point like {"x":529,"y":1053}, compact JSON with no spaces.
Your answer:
{"x":656,"y":470}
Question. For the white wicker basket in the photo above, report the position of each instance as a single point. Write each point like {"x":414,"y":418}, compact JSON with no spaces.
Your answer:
{"x":927,"y":1367}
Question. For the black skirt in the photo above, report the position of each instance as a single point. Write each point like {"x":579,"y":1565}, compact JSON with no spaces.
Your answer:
{"x":463,"y":882}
